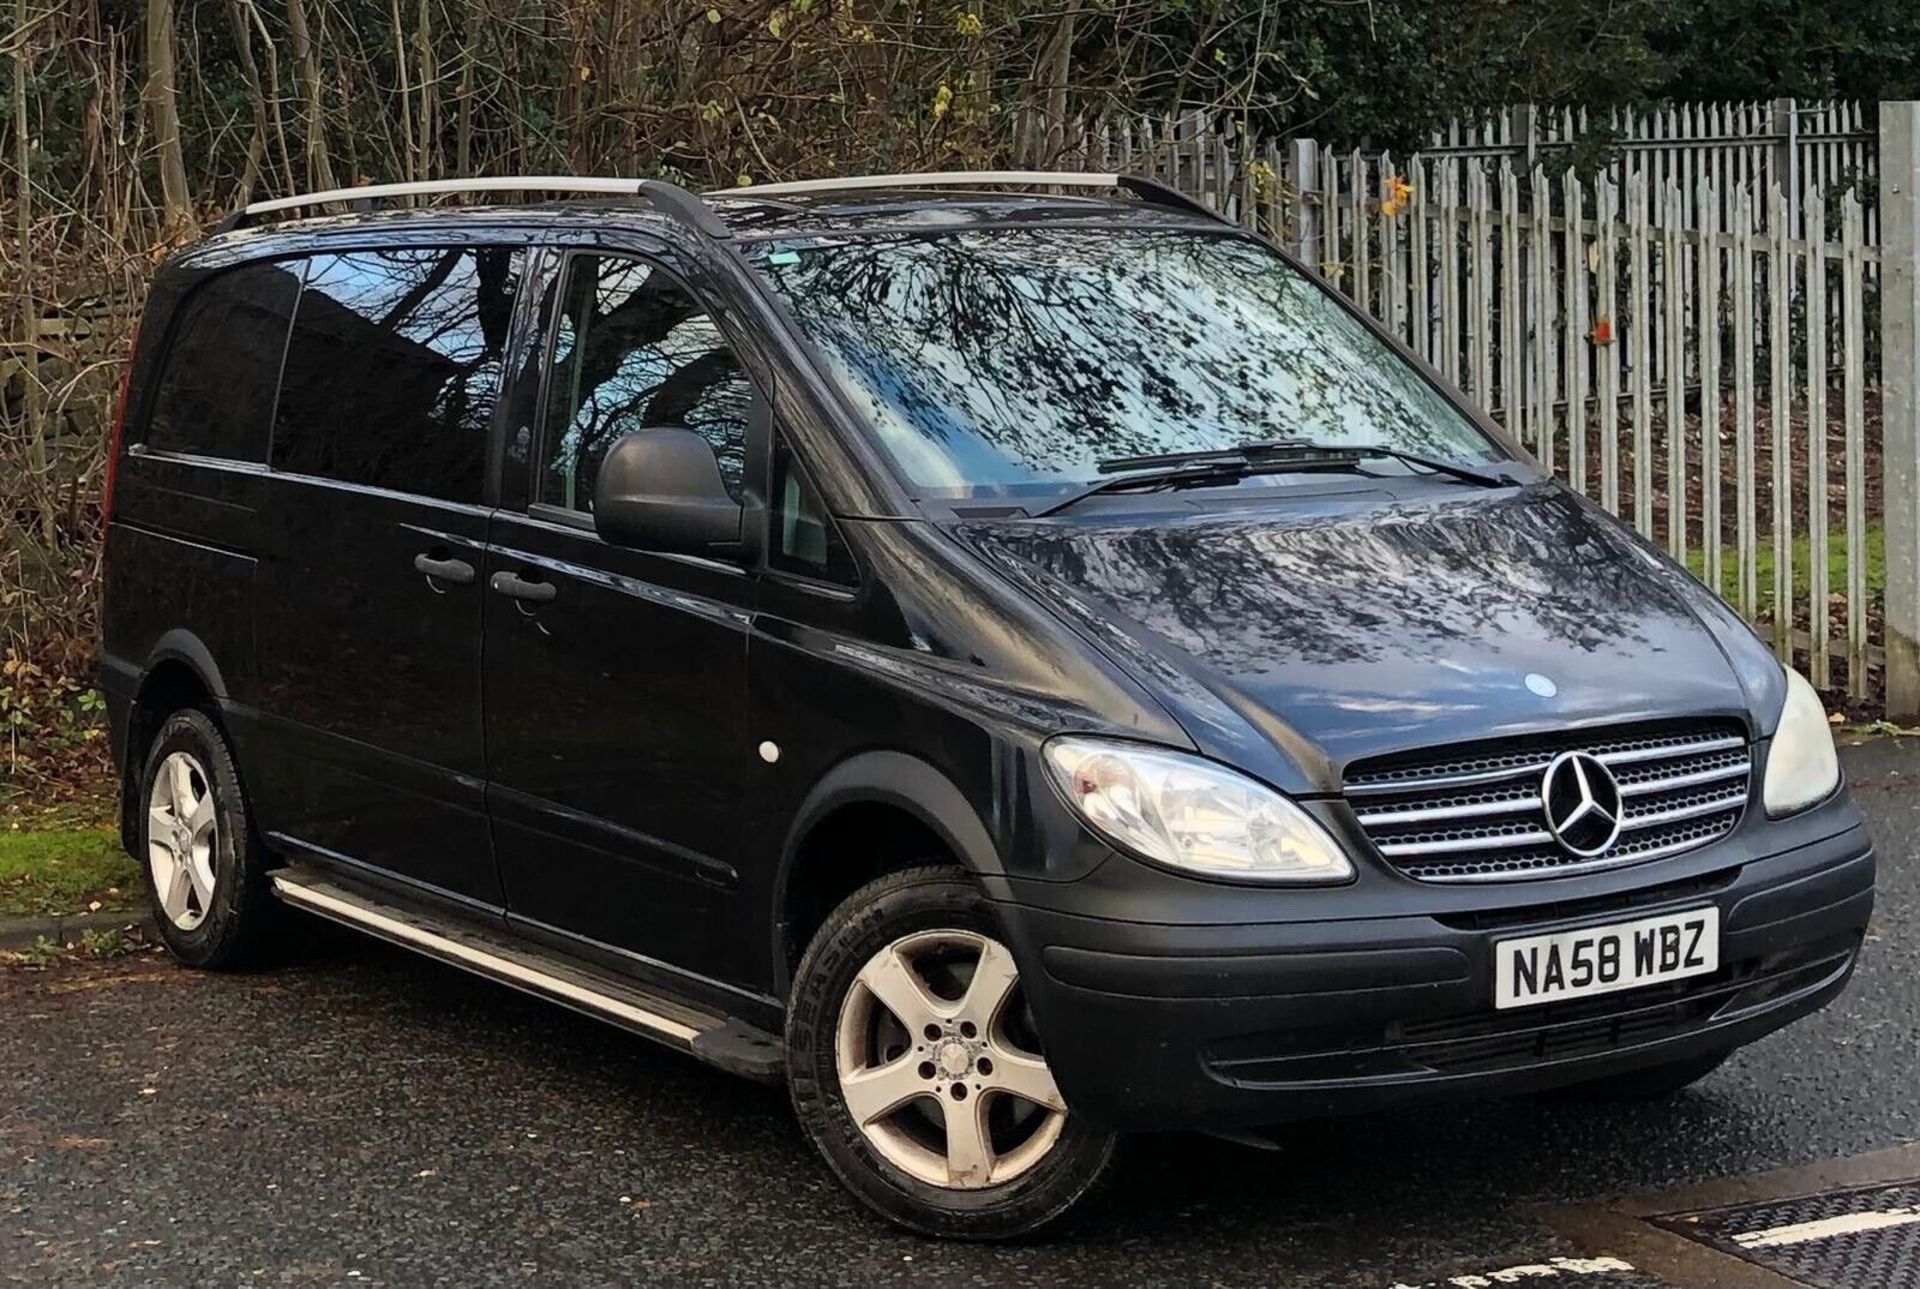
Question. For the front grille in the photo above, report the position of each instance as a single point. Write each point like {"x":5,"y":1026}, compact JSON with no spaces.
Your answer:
{"x":1474,"y":813}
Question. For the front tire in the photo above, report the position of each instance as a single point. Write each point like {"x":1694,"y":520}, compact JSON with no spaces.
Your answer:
{"x":915,"y":1070}
{"x":205,"y":871}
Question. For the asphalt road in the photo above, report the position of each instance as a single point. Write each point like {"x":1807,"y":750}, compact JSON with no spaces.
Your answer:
{"x":358,"y":1116}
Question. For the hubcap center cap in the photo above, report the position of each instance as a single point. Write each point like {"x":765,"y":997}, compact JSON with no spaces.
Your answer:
{"x":953,"y":1059}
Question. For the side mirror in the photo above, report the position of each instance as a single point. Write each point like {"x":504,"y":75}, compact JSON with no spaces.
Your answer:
{"x":660,"y":490}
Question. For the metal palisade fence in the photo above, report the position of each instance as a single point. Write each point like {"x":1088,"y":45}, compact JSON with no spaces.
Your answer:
{"x":1784,"y":142}
{"x":1681,"y":313}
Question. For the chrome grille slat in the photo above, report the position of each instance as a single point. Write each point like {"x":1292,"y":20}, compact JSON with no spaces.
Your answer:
{"x":1474,"y":813}
{"x":1493,"y":841}
{"x":1731,"y":801}
{"x":1668,"y":753}
{"x":1450,"y":781}
{"x":1643,"y":787}
{"x":1475,"y":810}
{"x":1577,"y":866}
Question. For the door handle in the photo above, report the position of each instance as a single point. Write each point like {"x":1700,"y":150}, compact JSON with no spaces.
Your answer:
{"x":456,"y":572}
{"x":512,"y":584}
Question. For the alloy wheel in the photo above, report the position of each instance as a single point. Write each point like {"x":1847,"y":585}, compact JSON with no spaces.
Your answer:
{"x":181,"y":837}
{"x":939,"y":1066}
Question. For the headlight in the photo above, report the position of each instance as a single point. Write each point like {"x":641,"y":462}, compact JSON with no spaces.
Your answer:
{"x":1192,"y":814}
{"x":1801,"y":765}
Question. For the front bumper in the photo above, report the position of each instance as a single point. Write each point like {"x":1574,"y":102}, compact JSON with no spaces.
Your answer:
{"x":1367,"y":1005}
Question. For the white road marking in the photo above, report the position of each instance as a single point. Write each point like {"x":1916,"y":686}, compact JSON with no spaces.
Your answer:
{"x":1551,"y":1269}
{"x":1827,"y":1227}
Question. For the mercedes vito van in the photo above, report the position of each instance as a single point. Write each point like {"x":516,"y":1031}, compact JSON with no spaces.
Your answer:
{"x":1014,"y":657}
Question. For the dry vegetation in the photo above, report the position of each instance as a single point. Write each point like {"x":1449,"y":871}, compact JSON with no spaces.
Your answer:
{"x":130,"y":124}
{"x":139,"y":123}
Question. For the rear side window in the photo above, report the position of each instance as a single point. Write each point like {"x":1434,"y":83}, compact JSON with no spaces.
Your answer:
{"x":393,"y":368}
{"x":215,"y":396}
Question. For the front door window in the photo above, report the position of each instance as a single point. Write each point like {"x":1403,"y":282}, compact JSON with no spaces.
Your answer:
{"x":633,"y":350}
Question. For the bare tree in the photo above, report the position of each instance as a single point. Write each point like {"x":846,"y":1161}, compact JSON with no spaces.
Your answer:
{"x":307,"y":67}
{"x":162,"y":93}
{"x":32,"y":414}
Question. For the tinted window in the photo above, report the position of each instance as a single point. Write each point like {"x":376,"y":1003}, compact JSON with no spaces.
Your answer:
{"x":632,"y":351}
{"x":520,"y":419}
{"x":804,"y":538}
{"x":1015,"y":360}
{"x":393,"y":368}
{"x":215,"y":396}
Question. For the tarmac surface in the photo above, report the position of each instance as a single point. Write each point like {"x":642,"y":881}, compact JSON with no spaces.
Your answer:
{"x":358,"y":1116}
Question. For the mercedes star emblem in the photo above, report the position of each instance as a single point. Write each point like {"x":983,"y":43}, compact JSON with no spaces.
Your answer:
{"x":1582,"y":803}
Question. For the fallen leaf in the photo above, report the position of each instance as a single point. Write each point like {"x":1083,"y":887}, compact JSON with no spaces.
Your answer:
{"x":108,"y":982}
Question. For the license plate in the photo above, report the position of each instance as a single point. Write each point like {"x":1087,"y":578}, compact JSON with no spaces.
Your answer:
{"x":1601,"y":959}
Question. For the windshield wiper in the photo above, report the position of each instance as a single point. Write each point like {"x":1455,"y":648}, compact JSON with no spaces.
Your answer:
{"x":1276,"y":456}
{"x":1486,"y":478}
{"x":1192,"y":470}
{"x":1306,"y":453}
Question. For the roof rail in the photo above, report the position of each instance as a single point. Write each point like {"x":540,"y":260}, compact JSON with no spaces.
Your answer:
{"x":669,"y":198}
{"x":1145,"y":188}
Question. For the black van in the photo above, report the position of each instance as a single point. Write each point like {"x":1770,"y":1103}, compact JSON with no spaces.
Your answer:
{"x":1014,"y":657}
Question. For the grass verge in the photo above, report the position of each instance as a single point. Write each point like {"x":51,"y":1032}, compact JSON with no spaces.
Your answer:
{"x":64,"y":870}
{"x":1802,"y":567}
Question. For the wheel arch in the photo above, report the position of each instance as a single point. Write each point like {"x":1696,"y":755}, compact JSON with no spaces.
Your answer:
{"x":180,"y":671}
{"x":183,"y":648}
{"x":910,"y":805}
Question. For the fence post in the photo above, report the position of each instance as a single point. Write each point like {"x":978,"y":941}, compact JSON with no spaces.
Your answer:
{"x":1900,"y":393}
{"x":1786,"y":158}
{"x":1523,"y":121}
{"x":1304,"y":167}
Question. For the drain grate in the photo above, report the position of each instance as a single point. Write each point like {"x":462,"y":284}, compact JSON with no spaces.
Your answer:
{"x":1849,"y":1239}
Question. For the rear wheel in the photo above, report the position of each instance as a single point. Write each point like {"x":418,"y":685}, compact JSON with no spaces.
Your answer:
{"x":205,"y":873}
{"x":916,"y":1070}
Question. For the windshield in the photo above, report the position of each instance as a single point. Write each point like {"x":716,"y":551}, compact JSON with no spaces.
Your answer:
{"x":1014,"y":361}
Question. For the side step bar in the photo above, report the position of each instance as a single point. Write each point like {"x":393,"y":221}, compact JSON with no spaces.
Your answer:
{"x":730,"y":1044}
